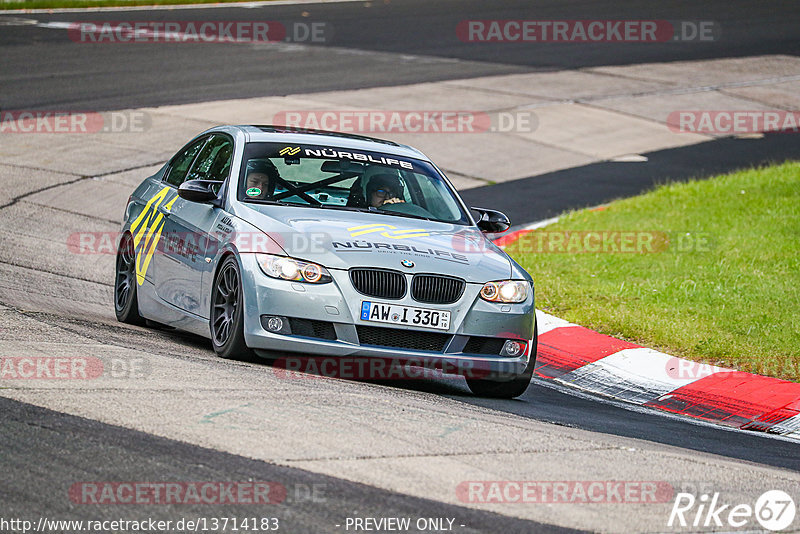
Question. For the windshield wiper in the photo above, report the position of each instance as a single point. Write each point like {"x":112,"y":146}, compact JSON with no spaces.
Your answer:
{"x":374,"y":210}
{"x":343,"y":208}
{"x":302,"y":205}
{"x":400,"y":214}
{"x":262,"y":201}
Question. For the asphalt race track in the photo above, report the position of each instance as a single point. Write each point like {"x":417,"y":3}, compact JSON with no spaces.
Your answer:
{"x":140,"y":456}
{"x":38,"y":70}
{"x":541,"y":197}
{"x":388,"y":449}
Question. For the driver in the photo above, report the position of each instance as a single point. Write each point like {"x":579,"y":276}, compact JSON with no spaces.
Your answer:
{"x":262,"y":175}
{"x":384,"y":189}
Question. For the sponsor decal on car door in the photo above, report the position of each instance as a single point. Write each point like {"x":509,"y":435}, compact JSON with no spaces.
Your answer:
{"x":147,"y":229}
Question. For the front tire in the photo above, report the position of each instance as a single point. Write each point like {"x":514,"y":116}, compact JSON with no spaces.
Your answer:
{"x":227,"y":313}
{"x":126,"y":301}
{"x":512,"y":388}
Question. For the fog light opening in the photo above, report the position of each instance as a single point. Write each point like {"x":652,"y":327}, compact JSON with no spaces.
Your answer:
{"x":274,"y":324}
{"x":513,"y":348}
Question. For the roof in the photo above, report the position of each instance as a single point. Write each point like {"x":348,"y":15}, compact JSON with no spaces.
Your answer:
{"x":269,"y":128}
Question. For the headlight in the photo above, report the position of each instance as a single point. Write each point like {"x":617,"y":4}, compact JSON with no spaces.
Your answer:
{"x":505,"y":291}
{"x":290,"y":269}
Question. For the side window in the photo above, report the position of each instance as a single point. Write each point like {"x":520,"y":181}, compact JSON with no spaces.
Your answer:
{"x":214,"y":161}
{"x":181,"y":163}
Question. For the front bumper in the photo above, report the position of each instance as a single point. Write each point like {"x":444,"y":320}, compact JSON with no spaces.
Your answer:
{"x":335,"y":307}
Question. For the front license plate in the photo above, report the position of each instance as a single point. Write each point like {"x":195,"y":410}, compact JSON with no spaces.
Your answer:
{"x":405,"y":315}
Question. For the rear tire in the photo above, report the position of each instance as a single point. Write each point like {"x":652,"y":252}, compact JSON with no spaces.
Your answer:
{"x":126,"y":301}
{"x":509,"y":389}
{"x":227,"y":313}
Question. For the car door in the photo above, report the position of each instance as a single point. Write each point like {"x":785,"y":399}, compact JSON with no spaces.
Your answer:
{"x":148,"y":228}
{"x":187,"y":231}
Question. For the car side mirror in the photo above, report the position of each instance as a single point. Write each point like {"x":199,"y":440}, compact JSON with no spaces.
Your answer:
{"x":198,"y":190}
{"x":492,"y":221}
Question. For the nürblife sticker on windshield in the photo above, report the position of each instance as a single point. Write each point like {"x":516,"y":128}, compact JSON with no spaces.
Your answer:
{"x":331,"y":153}
{"x":253,"y":192}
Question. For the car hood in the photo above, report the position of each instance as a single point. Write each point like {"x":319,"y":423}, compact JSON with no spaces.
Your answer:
{"x":339,"y":239}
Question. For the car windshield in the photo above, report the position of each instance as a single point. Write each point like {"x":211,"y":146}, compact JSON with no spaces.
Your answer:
{"x":338,"y":178}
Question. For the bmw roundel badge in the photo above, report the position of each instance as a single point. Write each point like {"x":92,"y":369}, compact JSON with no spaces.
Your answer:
{"x":407,"y":263}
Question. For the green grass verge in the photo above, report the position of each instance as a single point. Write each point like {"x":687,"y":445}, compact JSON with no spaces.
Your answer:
{"x":724,"y":288}
{"x":62,"y":4}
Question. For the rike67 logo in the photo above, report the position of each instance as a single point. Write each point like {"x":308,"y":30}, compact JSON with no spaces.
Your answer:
{"x":774,"y":510}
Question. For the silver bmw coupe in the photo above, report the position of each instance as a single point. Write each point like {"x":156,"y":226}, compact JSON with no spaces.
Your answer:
{"x":281,"y":242}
